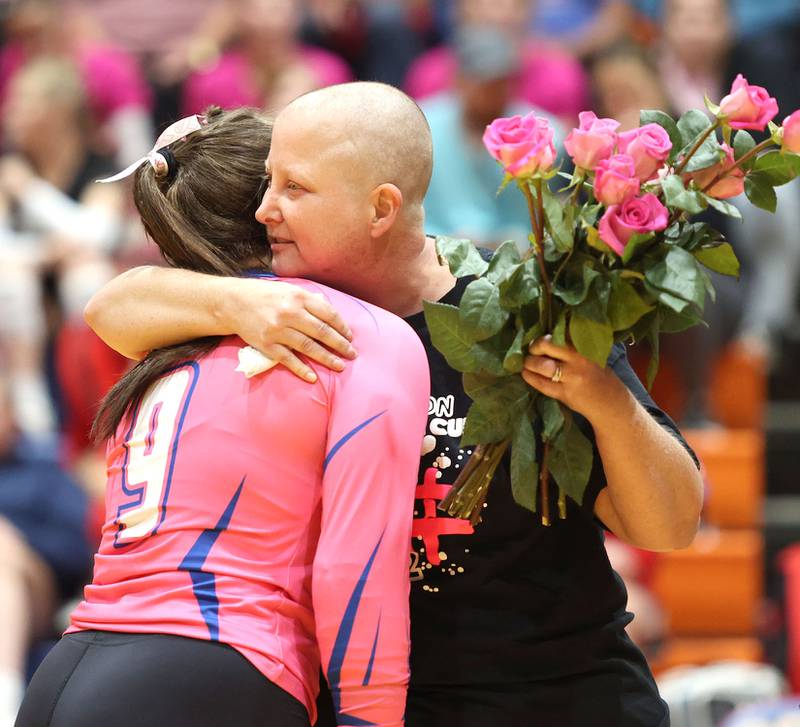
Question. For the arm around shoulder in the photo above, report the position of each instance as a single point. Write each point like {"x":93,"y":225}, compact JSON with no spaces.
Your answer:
{"x":150,"y":307}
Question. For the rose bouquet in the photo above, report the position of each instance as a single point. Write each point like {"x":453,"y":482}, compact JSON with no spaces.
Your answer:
{"x":614,"y":256}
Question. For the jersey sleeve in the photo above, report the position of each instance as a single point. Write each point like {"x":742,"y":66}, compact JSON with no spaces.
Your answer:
{"x":360,"y":579}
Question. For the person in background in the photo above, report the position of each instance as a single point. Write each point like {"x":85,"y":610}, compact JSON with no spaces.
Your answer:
{"x":168,"y":40}
{"x":766,"y":242}
{"x":582,"y":27}
{"x":45,"y":553}
{"x":55,"y":224}
{"x":766,"y":36}
{"x":267,"y":65}
{"x":378,"y":39}
{"x":117,"y":95}
{"x":549,"y":78}
{"x":462,"y":199}
{"x":625,"y":80}
{"x":256,"y":526}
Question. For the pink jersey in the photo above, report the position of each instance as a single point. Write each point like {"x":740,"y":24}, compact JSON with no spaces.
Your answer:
{"x":275,"y":515}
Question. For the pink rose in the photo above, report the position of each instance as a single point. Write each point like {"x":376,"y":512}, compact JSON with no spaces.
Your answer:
{"x":730,"y":184}
{"x":791,"y":132}
{"x":747,"y":107}
{"x":615,"y":180}
{"x":523,"y":145}
{"x":649,"y":145}
{"x":593,"y":141}
{"x":634,"y":216}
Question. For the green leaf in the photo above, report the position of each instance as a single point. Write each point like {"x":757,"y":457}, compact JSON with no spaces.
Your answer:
{"x":592,"y":340}
{"x":776,"y":133}
{"x":449,"y":336}
{"x":690,"y":235}
{"x":480,"y":313}
{"x":595,"y":307}
{"x":666,"y":122}
{"x":709,"y":154}
{"x":524,"y":468}
{"x":679,"y":275}
{"x":778,"y":168}
{"x":560,"y":330}
{"x":673,"y":302}
{"x":462,"y":256}
{"x":502,"y":398}
{"x":710,"y":291}
{"x":672,"y":322}
{"x":482,"y":428}
{"x":458,"y":345}
{"x":693,"y":123}
{"x":710,"y":105}
{"x":723,"y":206}
{"x":521,"y":287}
{"x":637,"y":242}
{"x":573,"y":287}
{"x":720,"y":259}
{"x":676,"y":195}
{"x":589,"y":213}
{"x":571,"y":460}
{"x":742,"y":144}
{"x":625,"y":306}
{"x":552,"y":417}
{"x":726,"y":133}
{"x":760,"y":192}
{"x":504,"y":258}
{"x":507,"y":179}
{"x":534,"y":332}
{"x":593,"y":240}
{"x":562,"y":233}
{"x":515,"y":355}
{"x":489,"y":355}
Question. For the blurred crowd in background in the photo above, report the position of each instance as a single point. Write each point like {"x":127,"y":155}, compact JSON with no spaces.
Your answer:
{"x":85,"y":86}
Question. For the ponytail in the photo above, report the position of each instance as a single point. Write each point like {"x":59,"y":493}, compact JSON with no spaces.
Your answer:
{"x":202,"y":217}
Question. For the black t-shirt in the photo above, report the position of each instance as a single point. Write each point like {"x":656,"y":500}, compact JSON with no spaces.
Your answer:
{"x":514,"y":602}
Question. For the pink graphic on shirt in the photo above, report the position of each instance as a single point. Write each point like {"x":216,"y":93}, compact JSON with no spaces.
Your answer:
{"x":430,"y":526}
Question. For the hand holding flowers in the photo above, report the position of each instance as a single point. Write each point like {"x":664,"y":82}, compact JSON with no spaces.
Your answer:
{"x":614,"y":257}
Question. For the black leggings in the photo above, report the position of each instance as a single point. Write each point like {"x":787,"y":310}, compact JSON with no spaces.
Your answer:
{"x":104,"y":679}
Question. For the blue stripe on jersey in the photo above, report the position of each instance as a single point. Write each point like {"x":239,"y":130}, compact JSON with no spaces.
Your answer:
{"x":204,"y":583}
{"x":368,"y":673}
{"x":204,"y":586}
{"x":259,"y":274}
{"x":343,"y":639}
{"x":369,"y":312}
{"x":336,"y":447}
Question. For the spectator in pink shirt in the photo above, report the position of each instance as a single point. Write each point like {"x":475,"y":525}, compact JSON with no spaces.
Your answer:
{"x":549,"y":78}
{"x":267,"y":67}
{"x":119,"y":98}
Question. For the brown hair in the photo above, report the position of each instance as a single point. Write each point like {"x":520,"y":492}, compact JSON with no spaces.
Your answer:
{"x":202,"y":217}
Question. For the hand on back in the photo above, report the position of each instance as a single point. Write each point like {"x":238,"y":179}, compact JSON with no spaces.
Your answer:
{"x":284,"y":322}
